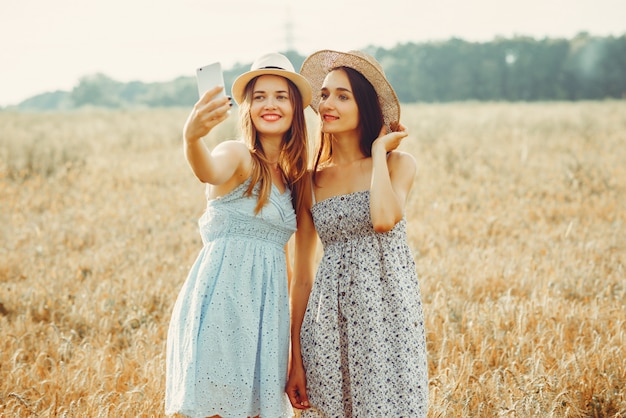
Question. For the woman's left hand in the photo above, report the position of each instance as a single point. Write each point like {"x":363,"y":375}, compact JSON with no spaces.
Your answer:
{"x":390,"y":141}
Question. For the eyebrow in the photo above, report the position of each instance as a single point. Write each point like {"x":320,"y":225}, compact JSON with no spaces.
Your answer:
{"x":276,"y":91}
{"x":338,"y":88}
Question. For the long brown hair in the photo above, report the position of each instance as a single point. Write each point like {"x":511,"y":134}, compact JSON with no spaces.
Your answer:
{"x":370,"y":118}
{"x":293,"y":156}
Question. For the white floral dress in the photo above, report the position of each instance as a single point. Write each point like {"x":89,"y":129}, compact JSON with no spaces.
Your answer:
{"x":363,"y":339}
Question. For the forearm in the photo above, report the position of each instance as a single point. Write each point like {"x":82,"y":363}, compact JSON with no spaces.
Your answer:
{"x":303,"y":276}
{"x":199,"y":159}
{"x":386,"y":209}
{"x":299,"y":300}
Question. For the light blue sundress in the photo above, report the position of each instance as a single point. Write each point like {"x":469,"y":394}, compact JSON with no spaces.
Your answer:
{"x":228,"y":339}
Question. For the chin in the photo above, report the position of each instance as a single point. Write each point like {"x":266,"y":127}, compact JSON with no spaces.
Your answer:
{"x":328,"y":127}
{"x":274,"y":132}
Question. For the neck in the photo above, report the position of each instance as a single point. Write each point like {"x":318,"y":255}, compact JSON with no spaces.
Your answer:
{"x":271,"y":148}
{"x":346,"y":149}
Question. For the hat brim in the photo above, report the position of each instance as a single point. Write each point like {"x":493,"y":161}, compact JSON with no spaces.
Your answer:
{"x":239,"y":86}
{"x":319,"y":64}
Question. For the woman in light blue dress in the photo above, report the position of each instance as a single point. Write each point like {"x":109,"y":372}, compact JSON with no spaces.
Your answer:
{"x":228,"y":339}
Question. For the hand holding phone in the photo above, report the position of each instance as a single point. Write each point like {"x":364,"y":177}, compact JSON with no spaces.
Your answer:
{"x":210,"y":76}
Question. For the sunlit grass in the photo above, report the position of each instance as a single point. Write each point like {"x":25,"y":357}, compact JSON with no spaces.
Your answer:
{"x":517,"y":222}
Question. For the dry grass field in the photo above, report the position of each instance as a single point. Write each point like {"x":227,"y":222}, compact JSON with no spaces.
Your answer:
{"x":517,"y":221}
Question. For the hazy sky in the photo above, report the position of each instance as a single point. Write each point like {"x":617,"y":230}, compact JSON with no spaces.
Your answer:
{"x":49,"y":45}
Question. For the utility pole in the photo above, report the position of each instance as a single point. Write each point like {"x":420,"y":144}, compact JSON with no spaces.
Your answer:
{"x":289,"y":39}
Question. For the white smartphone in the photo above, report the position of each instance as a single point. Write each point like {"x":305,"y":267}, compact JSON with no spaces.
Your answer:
{"x":210,"y":76}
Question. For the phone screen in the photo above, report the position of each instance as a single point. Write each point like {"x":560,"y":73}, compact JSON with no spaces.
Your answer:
{"x":210,"y":76}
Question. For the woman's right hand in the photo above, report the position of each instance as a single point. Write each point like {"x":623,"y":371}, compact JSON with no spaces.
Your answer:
{"x":207,"y":113}
{"x":296,"y":388}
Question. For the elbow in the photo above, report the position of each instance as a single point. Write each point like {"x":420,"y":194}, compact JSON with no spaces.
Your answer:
{"x":199,"y":173}
{"x":208,"y":177}
{"x":384,"y":226}
{"x":385,"y":222}
{"x":203,"y":178}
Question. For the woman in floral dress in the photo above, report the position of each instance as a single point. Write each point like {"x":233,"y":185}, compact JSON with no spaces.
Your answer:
{"x":358,"y":339}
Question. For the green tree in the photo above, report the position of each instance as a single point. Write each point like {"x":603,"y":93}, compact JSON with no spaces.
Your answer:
{"x":97,"y":90}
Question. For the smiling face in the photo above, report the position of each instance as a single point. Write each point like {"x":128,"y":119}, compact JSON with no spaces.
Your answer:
{"x":271,"y":110}
{"x":338,"y":108}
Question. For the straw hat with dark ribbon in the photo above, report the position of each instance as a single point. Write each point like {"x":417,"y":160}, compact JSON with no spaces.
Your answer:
{"x":272,"y":64}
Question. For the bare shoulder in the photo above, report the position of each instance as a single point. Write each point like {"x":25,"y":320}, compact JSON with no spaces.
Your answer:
{"x":235,"y":151}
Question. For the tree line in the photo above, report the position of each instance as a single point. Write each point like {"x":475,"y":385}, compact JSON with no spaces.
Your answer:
{"x":506,"y":69}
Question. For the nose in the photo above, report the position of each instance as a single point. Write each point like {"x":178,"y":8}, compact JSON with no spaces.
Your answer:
{"x":270,"y":102}
{"x":326,"y":103}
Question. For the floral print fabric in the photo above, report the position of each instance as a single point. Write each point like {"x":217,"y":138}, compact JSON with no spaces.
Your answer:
{"x":363,"y":339}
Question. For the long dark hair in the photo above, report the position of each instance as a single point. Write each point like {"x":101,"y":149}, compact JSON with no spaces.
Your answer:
{"x":370,"y":118}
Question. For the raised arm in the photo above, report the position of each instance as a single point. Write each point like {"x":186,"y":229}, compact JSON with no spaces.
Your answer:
{"x":392,"y":179}
{"x":218,"y":166}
